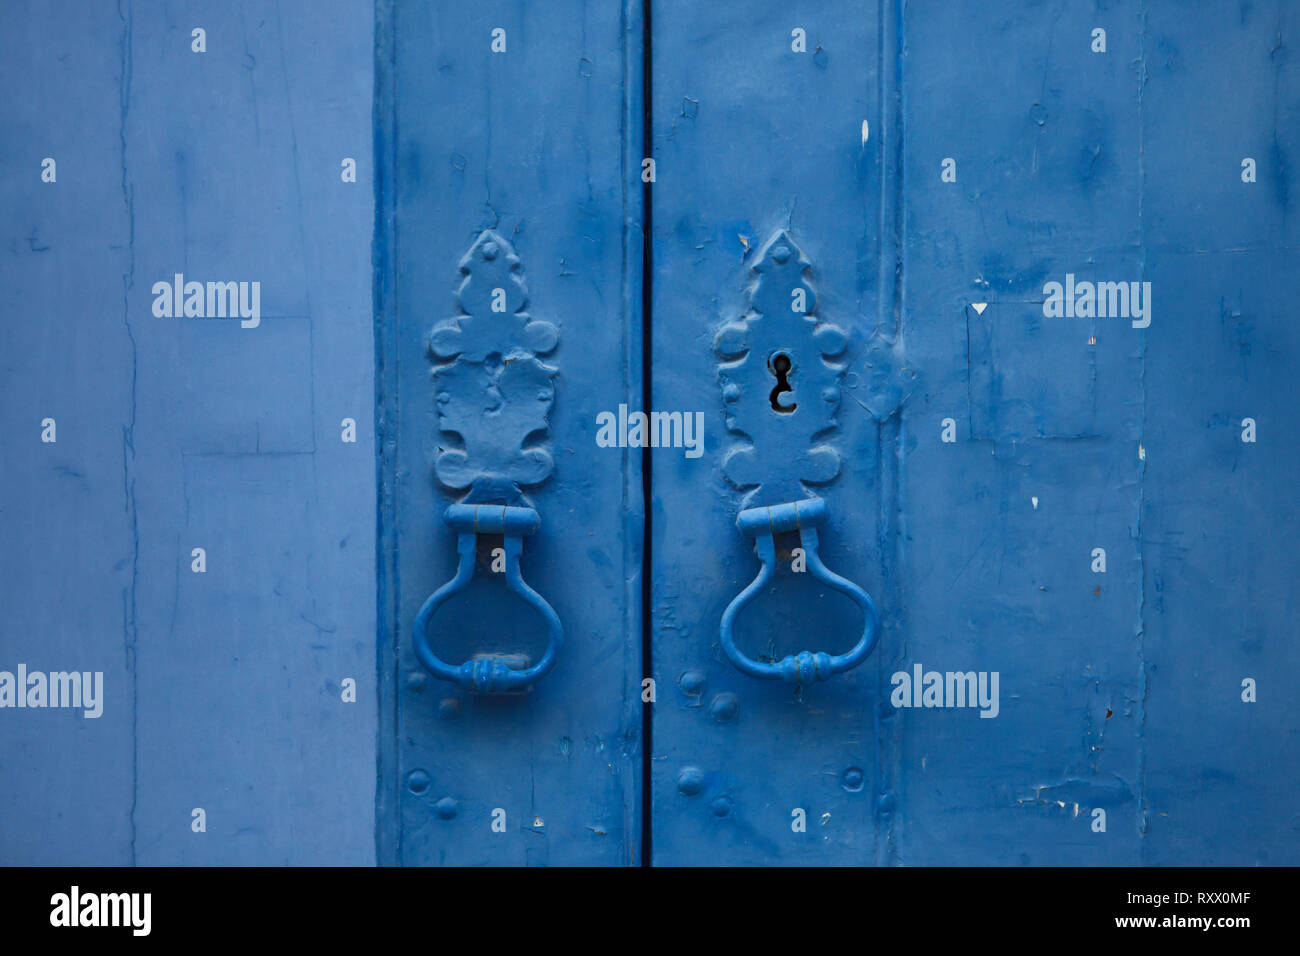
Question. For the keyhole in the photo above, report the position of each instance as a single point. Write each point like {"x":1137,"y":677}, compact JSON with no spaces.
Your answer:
{"x":779,"y":365}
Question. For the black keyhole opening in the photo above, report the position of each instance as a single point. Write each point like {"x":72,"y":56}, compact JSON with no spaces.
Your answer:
{"x":780,"y":365}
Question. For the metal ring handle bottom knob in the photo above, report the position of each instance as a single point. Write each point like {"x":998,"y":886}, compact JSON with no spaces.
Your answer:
{"x":806,"y":667}
{"x":489,"y":674}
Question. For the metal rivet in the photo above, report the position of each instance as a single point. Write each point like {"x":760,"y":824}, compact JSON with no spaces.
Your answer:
{"x":416,"y":680}
{"x":723,"y":707}
{"x":691,"y":683}
{"x":853,"y":780}
{"x":448,"y":708}
{"x":490,"y":251}
{"x":417,"y":781}
{"x":446,"y":808}
{"x":721,"y":806}
{"x":690,"y":781}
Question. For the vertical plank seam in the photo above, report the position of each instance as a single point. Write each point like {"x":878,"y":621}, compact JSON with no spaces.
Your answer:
{"x":384,"y":121}
{"x":889,"y":449}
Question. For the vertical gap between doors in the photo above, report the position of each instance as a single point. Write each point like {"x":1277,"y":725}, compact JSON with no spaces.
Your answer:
{"x":647,"y":379}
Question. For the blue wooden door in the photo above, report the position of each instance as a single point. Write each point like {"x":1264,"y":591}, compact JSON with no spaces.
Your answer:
{"x":870,"y":217}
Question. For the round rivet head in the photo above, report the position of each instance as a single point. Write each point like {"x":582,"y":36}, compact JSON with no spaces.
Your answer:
{"x":692,"y":683}
{"x":781,"y":252}
{"x":853,"y":780}
{"x":721,"y":806}
{"x":490,"y":251}
{"x":446,"y":808}
{"x":416,"y":681}
{"x":690,"y":781}
{"x":886,"y":803}
{"x":723,"y":708}
{"x":417,"y":781}
{"x":448,"y":708}
{"x":731,"y":393}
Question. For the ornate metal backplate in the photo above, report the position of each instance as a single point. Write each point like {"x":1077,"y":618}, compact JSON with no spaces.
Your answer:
{"x":493,"y":392}
{"x":780,"y":383}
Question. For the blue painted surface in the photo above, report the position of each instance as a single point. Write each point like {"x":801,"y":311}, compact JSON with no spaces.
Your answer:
{"x":535,"y":143}
{"x":751,"y":138}
{"x":1127,"y":685}
{"x":1048,"y":182}
{"x":1121,"y":690}
{"x":223,"y":690}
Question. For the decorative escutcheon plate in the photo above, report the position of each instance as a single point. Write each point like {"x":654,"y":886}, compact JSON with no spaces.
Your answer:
{"x":781,"y":374}
{"x":493,"y":395}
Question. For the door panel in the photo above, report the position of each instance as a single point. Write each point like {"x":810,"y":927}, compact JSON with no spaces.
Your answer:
{"x":743,"y":136}
{"x":510,"y":170}
{"x":1045,"y":466}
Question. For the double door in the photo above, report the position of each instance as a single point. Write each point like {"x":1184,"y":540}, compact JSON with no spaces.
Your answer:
{"x":742,"y":498}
